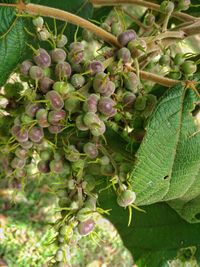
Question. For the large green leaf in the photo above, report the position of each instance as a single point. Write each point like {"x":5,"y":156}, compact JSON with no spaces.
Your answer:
{"x":12,"y":42}
{"x":154,"y":237}
{"x":168,"y":160}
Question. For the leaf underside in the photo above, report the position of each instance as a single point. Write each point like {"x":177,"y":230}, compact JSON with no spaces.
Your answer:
{"x":168,"y":160}
{"x":12,"y":42}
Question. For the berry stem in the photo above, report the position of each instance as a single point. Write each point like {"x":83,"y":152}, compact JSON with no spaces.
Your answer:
{"x":148,"y":4}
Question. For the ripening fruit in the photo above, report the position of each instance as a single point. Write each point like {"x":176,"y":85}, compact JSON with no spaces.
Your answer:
{"x":83,"y":214}
{"x":100,"y":82}
{"x":56,"y":166}
{"x":43,"y":166}
{"x":90,"y":118}
{"x":63,"y":88}
{"x":80,"y":124}
{"x":175,"y":75}
{"x":36,"y":73}
{"x":189,"y":67}
{"x":149,"y":20}
{"x":26,"y":145}
{"x":63,"y":70}
{"x":55,"y":100}
{"x":77,"y":80}
{"x":90,"y":185}
{"x":110,"y":89}
{"x":18,"y":163}
{"x":137,"y":47}
{"x":124,"y":55}
{"x":76,"y":54}
{"x":90,"y":105}
{"x":125,"y":37}
{"x":131,"y":81}
{"x":19,"y":173}
{"x":55,"y":117}
{"x":72,"y":104}
{"x":164,"y":60}
{"x":36,"y":134}
{"x":179,"y":59}
{"x":72,"y":154}
{"x":55,"y":129}
{"x":42,"y":58}
{"x":21,"y":153}
{"x":98,"y":129}
{"x":86,"y":227}
{"x":128,"y":100}
{"x":104,"y":160}
{"x":58,"y":55}
{"x":31,"y":109}
{"x":38,"y":22}
{"x":41,"y":117}
{"x":45,"y":155}
{"x":126,"y":198}
{"x":25,"y":67}
{"x":45,"y":84}
{"x":20,"y":134}
{"x":107,"y":170}
{"x":106,"y":106}
{"x":167,"y":7}
{"x":78,"y":46}
{"x":43,"y":35}
{"x":95,"y":66}
{"x":90,"y":150}
{"x":183,"y":5}
{"x":116,"y":28}
{"x":61,"y":41}
{"x":140,"y":102}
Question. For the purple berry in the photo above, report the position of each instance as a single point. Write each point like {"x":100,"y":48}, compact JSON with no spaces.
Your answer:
{"x":90,"y":150}
{"x":106,"y":106}
{"x":76,"y":46}
{"x":25,"y":67}
{"x":63,"y":70}
{"x":80,"y":124}
{"x":86,"y":227}
{"x":36,"y":134}
{"x":124,"y":54}
{"x":95,"y":66}
{"x":20,"y":134}
{"x":56,"y":166}
{"x":21,"y":153}
{"x":55,"y":129}
{"x":18,"y":163}
{"x":45,"y":84}
{"x":41,"y":117}
{"x":26,"y":145}
{"x":125,"y":37}
{"x":131,"y":81}
{"x":56,"y":101}
{"x":100,"y":82}
{"x":55,"y":117}
{"x":90,"y":104}
{"x":42,"y":58}
{"x":43,"y":166}
{"x":61,"y":41}
{"x":128,"y":100}
{"x":31,"y":109}
{"x":110,"y":89}
{"x":58,"y":55}
{"x":36,"y":73}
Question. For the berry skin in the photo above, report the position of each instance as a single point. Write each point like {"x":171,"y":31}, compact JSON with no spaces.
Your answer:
{"x":86,"y":227}
{"x":90,"y":118}
{"x":21,"y":153}
{"x":43,"y":166}
{"x":90,"y":150}
{"x":38,"y":22}
{"x":164,"y":60}
{"x":124,"y":55}
{"x":137,"y":47}
{"x":55,"y":100}
{"x":125,"y":37}
{"x":36,"y":134}
{"x":106,"y":106}
{"x":77,"y":80}
{"x":55,"y":129}
{"x":56,"y":166}
{"x":80,"y":124}
{"x":31,"y":109}
{"x":44,"y":35}
{"x":41,"y":117}
{"x":90,"y":104}
{"x":42,"y":58}
{"x":183,"y":5}
{"x":98,"y":129}
{"x":94,"y":67}
{"x":58,"y":55}
{"x":131,"y":81}
{"x":189,"y":67}
{"x":83,"y":214}
{"x":78,"y":46}
{"x":179,"y":59}
{"x":25,"y":67}
{"x":149,"y":20}
{"x":55,"y":117}
{"x":63,"y":88}
{"x":72,"y":154}
{"x":36,"y":73}
{"x":63,"y":70}
{"x":17,"y":163}
{"x":72,"y":104}
{"x":100,"y":83}
{"x":116,"y":28}
{"x":61,"y":41}
{"x":128,"y":100}
{"x":20,"y":134}
{"x":126,"y":198}
{"x":45,"y":155}
{"x":45,"y":84}
{"x":110,"y":89}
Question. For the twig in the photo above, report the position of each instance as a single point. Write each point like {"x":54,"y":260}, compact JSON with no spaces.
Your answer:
{"x":178,"y":15}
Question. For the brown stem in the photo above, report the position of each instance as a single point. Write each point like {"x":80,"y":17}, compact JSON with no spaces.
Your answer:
{"x":178,"y":15}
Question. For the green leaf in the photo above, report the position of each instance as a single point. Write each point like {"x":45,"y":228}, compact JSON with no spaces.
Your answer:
{"x":154,"y":237}
{"x":12,"y":42}
{"x":168,"y":160}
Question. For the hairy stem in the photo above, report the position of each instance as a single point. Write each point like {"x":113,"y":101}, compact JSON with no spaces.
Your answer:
{"x":153,"y":6}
